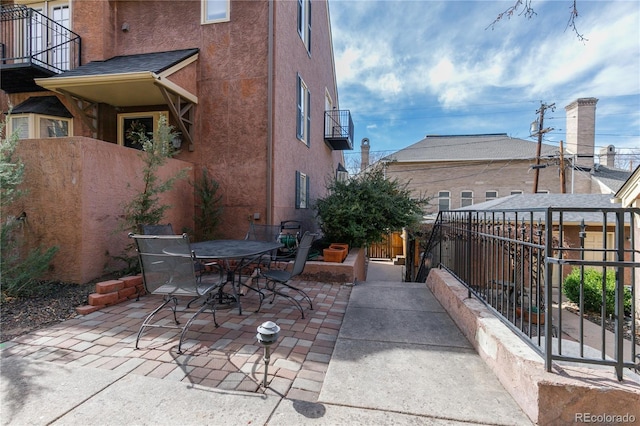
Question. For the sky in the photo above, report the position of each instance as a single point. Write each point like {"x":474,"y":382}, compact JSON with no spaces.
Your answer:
{"x":406,"y":69}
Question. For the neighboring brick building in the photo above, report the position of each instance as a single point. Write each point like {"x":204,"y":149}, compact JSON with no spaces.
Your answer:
{"x":250,"y":85}
{"x":458,"y":171}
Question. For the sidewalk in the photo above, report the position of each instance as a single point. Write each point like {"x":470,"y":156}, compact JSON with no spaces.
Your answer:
{"x":380,"y":352}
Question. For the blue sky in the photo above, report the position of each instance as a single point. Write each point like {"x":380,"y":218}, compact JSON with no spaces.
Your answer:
{"x":406,"y":69}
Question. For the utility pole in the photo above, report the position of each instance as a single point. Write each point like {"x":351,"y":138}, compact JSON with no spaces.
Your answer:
{"x":540,"y":131}
{"x":563,"y":186}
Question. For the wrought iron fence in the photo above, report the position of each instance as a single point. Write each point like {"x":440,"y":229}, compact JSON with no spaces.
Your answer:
{"x":517,"y":262}
{"x":28,"y":36}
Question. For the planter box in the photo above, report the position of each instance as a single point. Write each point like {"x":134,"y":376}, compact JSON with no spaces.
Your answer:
{"x":351,"y":270}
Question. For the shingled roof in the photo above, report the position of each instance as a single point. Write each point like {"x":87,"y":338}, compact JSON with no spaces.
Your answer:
{"x":155,"y":62}
{"x":497,"y":146}
{"x":526,"y":202}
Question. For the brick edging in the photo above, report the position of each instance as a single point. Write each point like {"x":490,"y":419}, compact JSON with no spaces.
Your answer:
{"x":112,"y":292}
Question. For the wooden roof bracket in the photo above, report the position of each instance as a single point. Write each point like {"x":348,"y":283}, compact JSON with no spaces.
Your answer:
{"x":85,"y":109}
{"x":182,"y":111}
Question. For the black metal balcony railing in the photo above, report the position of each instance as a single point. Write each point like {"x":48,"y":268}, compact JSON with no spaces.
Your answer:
{"x":338,"y":129}
{"x":515,"y":263}
{"x":34,"y":46}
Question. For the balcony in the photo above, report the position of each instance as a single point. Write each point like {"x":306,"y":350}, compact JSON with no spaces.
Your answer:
{"x":338,"y":129}
{"x":33,"y":46}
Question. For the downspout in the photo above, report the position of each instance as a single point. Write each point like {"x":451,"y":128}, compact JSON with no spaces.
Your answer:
{"x":269,"y":192}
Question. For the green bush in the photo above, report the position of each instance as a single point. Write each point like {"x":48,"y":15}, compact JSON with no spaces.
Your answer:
{"x":363,"y":209}
{"x":593,"y":290}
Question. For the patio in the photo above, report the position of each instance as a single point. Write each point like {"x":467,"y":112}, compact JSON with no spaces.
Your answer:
{"x":228,"y":357}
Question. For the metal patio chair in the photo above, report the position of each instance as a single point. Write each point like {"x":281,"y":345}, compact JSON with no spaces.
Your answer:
{"x":276,"y":279}
{"x":157,"y":229}
{"x":167,"y":264}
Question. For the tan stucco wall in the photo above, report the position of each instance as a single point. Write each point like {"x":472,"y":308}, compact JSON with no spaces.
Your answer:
{"x":76,"y":190}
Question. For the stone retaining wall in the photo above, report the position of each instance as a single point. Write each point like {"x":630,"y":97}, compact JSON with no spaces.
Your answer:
{"x":555,"y":398}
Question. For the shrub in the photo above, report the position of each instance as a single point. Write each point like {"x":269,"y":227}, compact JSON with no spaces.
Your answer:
{"x":363,"y":209}
{"x":145,"y":208}
{"x":20,"y":272}
{"x":208,"y":207}
{"x":593,"y":290}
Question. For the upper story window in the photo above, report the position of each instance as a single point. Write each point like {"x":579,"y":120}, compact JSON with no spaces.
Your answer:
{"x":516,"y":192}
{"x":466,"y":198}
{"x":304,"y":22}
{"x":444,"y":200}
{"x":490,"y":195}
{"x":215,"y":11}
{"x":303,"y":118}
{"x":35,"y":126}
{"x":49,"y":40}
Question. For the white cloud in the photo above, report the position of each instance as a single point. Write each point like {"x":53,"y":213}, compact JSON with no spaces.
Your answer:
{"x":395,"y":58}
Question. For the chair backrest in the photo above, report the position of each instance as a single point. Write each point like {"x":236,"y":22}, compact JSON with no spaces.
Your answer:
{"x":263,"y":232}
{"x":167,"y":264}
{"x":157,"y":229}
{"x":302,"y":253}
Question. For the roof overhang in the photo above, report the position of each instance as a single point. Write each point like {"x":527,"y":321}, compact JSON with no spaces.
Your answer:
{"x":120,"y":90}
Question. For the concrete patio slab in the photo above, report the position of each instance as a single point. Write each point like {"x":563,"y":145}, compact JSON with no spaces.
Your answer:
{"x":36,"y":392}
{"x":143,"y":400}
{"x":304,"y":413}
{"x":419,"y":380}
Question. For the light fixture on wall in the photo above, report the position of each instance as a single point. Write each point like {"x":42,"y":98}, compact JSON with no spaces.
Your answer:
{"x":176,"y":141}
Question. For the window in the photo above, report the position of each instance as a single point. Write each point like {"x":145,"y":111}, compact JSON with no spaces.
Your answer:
{"x":34,"y":126}
{"x":48,"y":39}
{"x":466,"y":198}
{"x":516,"y":192}
{"x":303,"y":120}
{"x":304,"y":22}
{"x":491,"y":195}
{"x":215,"y":11}
{"x":302,"y":191}
{"x":130,"y":123}
{"x":444,"y":200}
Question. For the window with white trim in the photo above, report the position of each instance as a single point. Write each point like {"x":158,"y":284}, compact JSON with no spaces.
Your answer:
{"x":302,"y":190}
{"x":134,"y":122}
{"x":303,"y":117}
{"x":466,"y":198}
{"x":444,"y":200}
{"x":490,"y":195}
{"x":215,"y":11}
{"x":37,"y":126}
{"x":516,"y":192}
{"x":304,"y":22}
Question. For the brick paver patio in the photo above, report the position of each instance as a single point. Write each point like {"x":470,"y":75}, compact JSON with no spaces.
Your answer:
{"x":228,"y":357}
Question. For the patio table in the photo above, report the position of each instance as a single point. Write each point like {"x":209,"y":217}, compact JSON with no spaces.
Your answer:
{"x":244,"y":252}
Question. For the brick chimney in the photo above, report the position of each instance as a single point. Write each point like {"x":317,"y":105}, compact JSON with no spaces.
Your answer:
{"x":608,"y":156}
{"x":581,"y":130}
{"x":364,"y":154}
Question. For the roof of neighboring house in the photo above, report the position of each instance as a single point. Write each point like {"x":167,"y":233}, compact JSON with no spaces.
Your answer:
{"x":629,"y":191}
{"x":496,"y":146}
{"x":611,"y":178}
{"x":45,"y":105}
{"x":526,"y":202}
{"x":155,"y":62}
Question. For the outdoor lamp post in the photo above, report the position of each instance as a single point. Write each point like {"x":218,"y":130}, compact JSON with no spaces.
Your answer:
{"x":267,"y":335}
